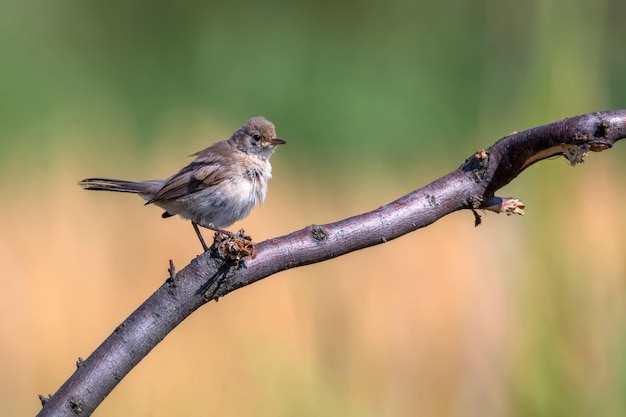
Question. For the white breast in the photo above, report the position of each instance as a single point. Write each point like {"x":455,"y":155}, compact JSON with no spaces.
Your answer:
{"x":231,"y":200}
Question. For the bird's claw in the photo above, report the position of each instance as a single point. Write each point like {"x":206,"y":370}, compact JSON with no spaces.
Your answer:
{"x":233,"y":247}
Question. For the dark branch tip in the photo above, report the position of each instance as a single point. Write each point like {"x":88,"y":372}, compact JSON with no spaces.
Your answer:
{"x":44,"y":399}
{"x":172,"y":271}
{"x":477,"y":219}
{"x":80,"y":362}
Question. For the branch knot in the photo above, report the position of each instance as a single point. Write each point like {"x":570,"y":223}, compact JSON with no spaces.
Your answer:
{"x":318,"y":233}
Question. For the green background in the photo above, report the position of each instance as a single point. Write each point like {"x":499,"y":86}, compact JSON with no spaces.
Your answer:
{"x":350,"y":80}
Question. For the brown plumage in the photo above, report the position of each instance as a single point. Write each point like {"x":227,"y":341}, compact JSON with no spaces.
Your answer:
{"x":220,"y":186}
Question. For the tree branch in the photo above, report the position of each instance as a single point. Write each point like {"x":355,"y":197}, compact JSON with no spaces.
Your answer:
{"x":209,"y":276}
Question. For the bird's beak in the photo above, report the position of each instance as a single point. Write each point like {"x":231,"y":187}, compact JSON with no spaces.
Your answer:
{"x":277,"y":141}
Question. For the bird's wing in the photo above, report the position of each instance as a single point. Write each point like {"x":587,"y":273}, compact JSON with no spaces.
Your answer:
{"x":202,"y":173}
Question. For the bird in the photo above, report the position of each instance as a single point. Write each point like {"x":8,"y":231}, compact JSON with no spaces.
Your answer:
{"x":222,"y":184}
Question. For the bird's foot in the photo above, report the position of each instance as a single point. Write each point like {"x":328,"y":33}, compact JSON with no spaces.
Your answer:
{"x":233,"y":246}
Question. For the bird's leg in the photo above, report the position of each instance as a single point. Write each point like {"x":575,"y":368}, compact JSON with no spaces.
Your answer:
{"x":195,"y":227}
{"x":239,"y":236}
{"x":222,"y":231}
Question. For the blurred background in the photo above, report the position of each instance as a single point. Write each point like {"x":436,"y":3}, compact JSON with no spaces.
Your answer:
{"x":520,"y":316}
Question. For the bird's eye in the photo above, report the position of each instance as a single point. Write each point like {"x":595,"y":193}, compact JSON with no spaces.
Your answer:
{"x":256,"y":137}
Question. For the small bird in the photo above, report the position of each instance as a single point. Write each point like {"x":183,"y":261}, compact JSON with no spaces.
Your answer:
{"x":220,"y":186}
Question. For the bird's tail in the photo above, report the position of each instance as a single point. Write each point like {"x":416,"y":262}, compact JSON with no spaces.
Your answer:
{"x":105,"y":184}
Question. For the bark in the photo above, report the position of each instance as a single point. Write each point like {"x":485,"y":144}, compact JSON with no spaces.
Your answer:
{"x":218,"y":272}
